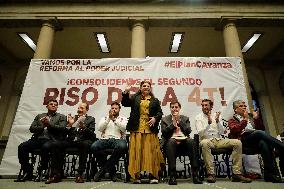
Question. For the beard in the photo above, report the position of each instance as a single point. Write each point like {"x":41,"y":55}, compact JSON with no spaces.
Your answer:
{"x":79,"y":112}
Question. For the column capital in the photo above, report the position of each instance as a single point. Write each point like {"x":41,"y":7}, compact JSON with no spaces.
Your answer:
{"x":226,"y":22}
{"x":53,"y":23}
{"x":143,"y":21}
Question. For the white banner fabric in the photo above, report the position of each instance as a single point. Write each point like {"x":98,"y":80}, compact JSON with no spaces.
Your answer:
{"x":101,"y":81}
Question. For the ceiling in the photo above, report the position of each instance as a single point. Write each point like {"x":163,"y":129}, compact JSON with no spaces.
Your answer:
{"x":77,"y":39}
{"x":140,"y":1}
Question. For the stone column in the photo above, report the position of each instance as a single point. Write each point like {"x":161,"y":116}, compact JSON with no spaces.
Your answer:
{"x":267,"y":113}
{"x":45,"y":41}
{"x":233,"y":49}
{"x":138,"y":40}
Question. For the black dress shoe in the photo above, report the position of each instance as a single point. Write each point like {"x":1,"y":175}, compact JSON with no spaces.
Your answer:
{"x":41,"y":176}
{"x":273,"y":178}
{"x":38,"y":177}
{"x":195,"y":178}
{"x":98,"y":175}
{"x":172,"y":181}
{"x":112,"y":174}
{"x":25,"y":177}
{"x":113,"y":177}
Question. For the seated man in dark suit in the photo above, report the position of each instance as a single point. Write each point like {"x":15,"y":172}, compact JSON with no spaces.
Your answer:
{"x":80,"y":134}
{"x":47,"y":128}
{"x":175,"y":131}
{"x":244,"y":126}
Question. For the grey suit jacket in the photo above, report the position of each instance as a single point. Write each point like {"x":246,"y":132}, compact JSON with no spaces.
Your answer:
{"x":55,"y":130}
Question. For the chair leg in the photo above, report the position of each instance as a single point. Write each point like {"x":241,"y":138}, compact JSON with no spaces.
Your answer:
{"x":227,"y":161}
{"x":127,"y":175}
{"x":88,"y":178}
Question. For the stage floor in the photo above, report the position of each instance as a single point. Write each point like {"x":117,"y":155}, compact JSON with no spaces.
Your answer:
{"x":70,"y":184}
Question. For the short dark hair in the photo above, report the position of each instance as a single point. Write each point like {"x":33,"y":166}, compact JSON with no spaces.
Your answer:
{"x":208,"y":100}
{"x":87,"y":105}
{"x":116,"y":103}
{"x":52,"y":100}
{"x":175,"y":102}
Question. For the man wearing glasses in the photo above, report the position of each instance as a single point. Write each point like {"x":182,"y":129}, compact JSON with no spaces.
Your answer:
{"x":47,"y":128}
{"x":244,"y":126}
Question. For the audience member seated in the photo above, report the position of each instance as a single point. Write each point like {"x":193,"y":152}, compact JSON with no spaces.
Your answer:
{"x":209,"y":127}
{"x":113,"y":129}
{"x":175,"y":131}
{"x":47,"y":129}
{"x":80,"y":135}
{"x":244,"y":126}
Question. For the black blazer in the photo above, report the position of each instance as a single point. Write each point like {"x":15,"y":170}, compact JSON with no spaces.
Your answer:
{"x":168,"y":127}
{"x":56,"y":128}
{"x":83,"y":134}
{"x":134,"y":102}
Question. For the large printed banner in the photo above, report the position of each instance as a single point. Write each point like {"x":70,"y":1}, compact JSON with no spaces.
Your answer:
{"x":99,"y":82}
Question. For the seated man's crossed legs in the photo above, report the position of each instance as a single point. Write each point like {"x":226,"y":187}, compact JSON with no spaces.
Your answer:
{"x":265,"y":143}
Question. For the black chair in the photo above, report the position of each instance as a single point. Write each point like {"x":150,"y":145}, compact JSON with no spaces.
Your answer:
{"x":121,"y":167}
{"x":223,"y":166}
{"x":70,"y":163}
{"x":181,"y":156}
{"x":34,"y":158}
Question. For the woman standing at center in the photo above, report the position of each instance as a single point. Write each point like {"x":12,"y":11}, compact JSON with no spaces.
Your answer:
{"x":144,"y":146}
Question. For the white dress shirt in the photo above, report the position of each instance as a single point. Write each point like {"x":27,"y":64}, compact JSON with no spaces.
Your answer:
{"x":206,"y":131}
{"x":112,"y":129}
{"x":178,"y":134}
